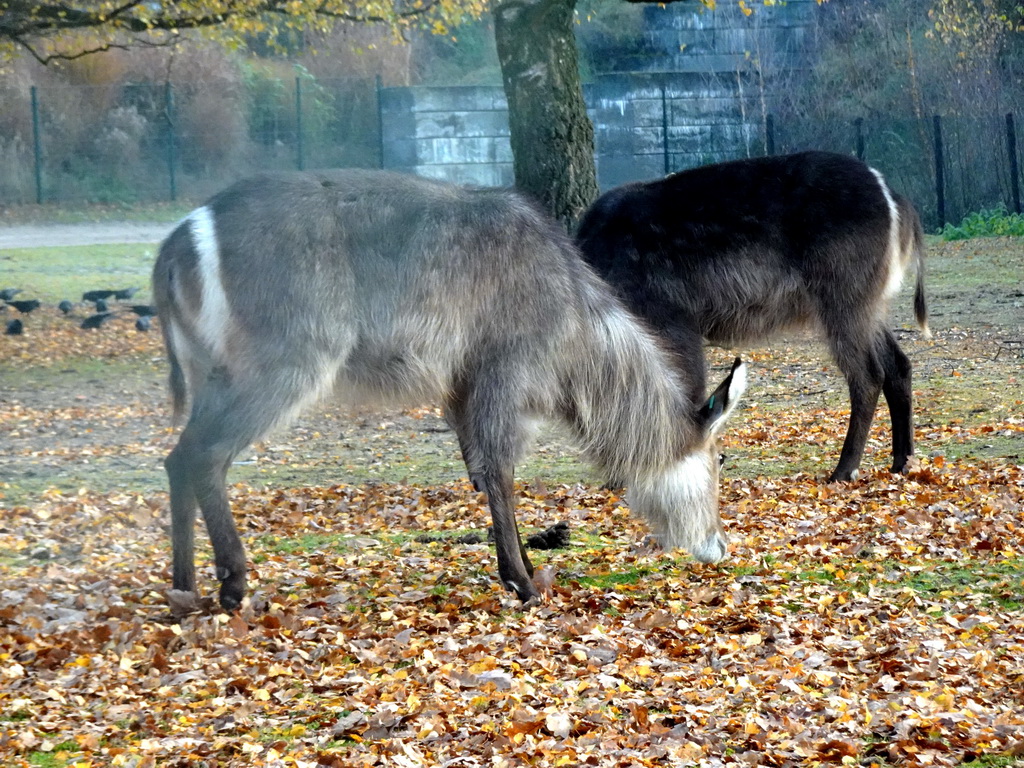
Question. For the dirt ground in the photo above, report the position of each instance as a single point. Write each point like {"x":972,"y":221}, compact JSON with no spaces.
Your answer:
{"x":90,"y":409}
{"x":95,"y":233}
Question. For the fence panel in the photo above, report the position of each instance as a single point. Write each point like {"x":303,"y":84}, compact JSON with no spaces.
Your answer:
{"x":143,"y":142}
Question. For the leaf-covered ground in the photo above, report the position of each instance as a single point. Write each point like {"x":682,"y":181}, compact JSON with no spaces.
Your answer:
{"x":879,"y":622}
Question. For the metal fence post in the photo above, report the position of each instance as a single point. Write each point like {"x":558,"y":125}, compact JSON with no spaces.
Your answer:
{"x":300,"y":160}
{"x":940,"y":172}
{"x":380,"y":118}
{"x":1011,"y":151}
{"x":169,"y":114}
{"x":37,"y":146}
{"x":858,"y":130}
{"x":664,"y":130}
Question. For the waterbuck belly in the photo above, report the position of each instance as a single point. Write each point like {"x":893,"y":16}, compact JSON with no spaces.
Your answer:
{"x":738,"y":300}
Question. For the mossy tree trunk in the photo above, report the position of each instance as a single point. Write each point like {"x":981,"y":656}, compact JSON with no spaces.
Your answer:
{"x":552,"y":136}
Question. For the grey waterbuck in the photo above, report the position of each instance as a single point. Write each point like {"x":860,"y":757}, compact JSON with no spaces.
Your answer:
{"x":384,"y":288}
{"x":737,"y":252}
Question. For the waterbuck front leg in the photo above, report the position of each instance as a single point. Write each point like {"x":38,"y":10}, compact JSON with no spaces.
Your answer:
{"x":455,"y":415}
{"x":487,"y":422}
{"x":898,"y":391}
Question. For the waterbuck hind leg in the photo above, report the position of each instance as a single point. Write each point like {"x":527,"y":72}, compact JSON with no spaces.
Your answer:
{"x":183,"y":520}
{"x":226,"y":417}
{"x":864,"y":378}
{"x":199,"y":465}
{"x":898,"y":391}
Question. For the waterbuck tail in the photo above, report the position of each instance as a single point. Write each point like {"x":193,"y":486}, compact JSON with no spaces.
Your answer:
{"x":166,"y":297}
{"x":920,"y":301}
{"x":178,"y":385}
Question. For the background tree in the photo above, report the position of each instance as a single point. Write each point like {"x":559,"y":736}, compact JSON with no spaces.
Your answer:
{"x":552,"y":137}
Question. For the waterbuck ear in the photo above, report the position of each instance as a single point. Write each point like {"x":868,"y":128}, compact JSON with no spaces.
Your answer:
{"x":716,"y":411}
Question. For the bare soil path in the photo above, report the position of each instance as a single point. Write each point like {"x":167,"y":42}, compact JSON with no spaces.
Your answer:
{"x":92,"y":233}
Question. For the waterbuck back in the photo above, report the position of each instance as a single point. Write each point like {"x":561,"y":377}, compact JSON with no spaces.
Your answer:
{"x":385,"y":288}
{"x":738,"y":252}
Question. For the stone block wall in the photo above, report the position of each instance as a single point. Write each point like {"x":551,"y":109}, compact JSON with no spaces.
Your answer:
{"x":645,"y":125}
{"x":456,"y":133}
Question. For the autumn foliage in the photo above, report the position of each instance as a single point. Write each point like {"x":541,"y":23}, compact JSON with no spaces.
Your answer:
{"x":879,"y":622}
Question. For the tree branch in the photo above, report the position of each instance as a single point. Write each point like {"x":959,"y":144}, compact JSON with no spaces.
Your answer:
{"x":21,"y":20}
{"x":356,"y":19}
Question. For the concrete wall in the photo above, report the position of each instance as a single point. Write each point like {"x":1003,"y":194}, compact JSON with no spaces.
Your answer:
{"x":724,"y":39}
{"x":461,"y":133}
{"x":683,"y":37}
{"x":649,"y":125}
{"x":458,"y":133}
{"x":682,"y":107}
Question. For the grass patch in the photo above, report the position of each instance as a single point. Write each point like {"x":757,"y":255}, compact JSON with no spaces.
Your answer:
{"x":992,"y":761}
{"x":291,"y":545}
{"x":1000,"y":583}
{"x":54,"y":274}
{"x":64,"y":213}
{"x":55,"y":758}
{"x":74,"y":372}
{"x":613,"y":579}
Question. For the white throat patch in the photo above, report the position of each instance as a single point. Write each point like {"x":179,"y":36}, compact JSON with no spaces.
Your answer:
{"x":680,"y":504}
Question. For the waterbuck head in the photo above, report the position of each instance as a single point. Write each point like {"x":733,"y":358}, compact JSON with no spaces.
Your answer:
{"x":680,"y":503}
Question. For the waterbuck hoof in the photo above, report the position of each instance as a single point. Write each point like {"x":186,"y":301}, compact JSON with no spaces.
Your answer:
{"x":901,"y":466}
{"x":232,"y":601}
{"x":232,"y":588}
{"x":183,"y":602}
{"x":844,"y":476}
{"x":526,"y":592}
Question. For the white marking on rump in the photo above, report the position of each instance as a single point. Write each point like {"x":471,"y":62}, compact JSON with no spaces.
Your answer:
{"x":894,"y":278}
{"x":681,"y":505}
{"x":214,"y":314}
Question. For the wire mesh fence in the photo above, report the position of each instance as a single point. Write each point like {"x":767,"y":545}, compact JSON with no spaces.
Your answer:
{"x":949,"y":166}
{"x":148,"y":142}
{"x":142,"y":142}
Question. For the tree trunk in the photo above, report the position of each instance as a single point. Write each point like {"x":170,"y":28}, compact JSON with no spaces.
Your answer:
{"x":552,"y":137}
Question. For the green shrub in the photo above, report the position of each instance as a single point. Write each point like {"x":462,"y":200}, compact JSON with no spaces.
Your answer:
{"x":994,"y":222}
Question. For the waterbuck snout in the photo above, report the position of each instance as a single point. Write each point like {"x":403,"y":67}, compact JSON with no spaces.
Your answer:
{"x":738,"y":252}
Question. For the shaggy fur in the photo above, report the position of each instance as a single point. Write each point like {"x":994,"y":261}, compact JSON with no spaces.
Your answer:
{"x":384,"y":288}
{"x":739,"y":252}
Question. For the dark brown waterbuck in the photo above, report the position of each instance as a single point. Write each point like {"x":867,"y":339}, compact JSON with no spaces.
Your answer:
{"x":738,"y":252}
{"x":383,"y":288}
